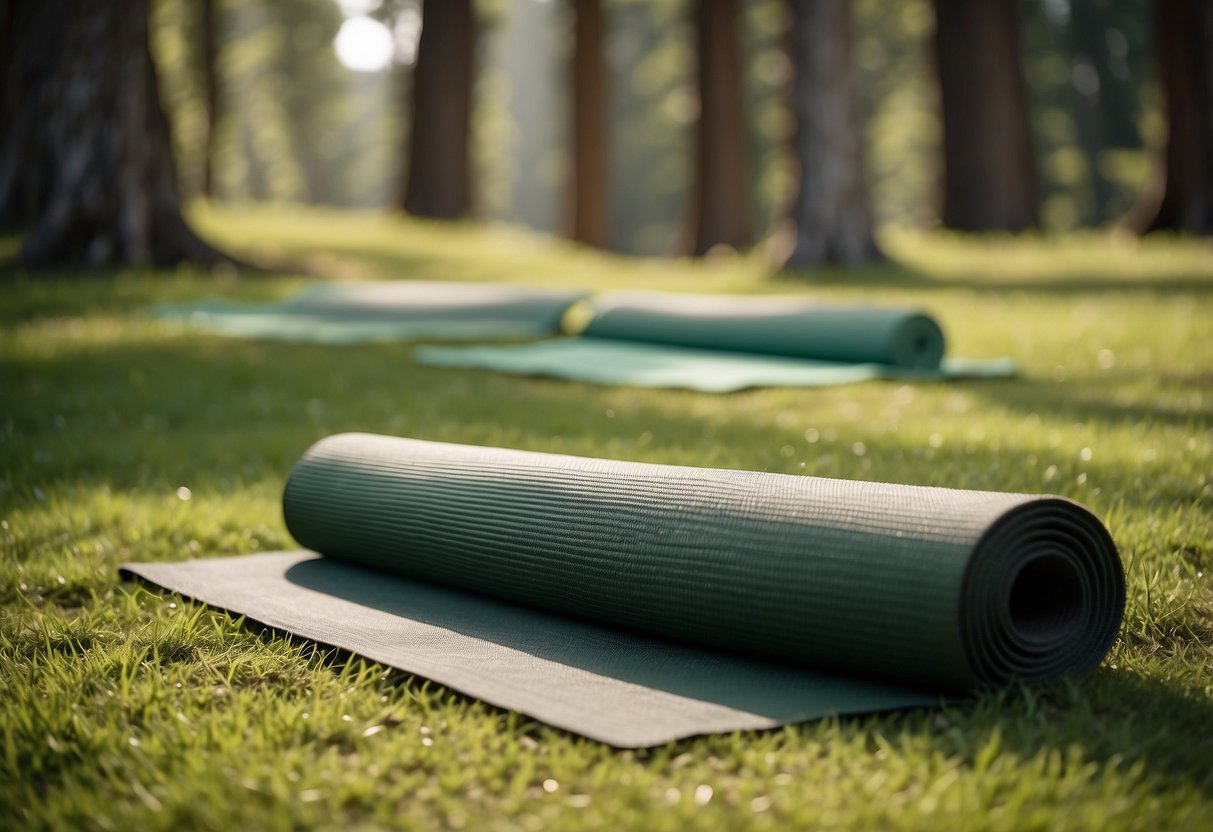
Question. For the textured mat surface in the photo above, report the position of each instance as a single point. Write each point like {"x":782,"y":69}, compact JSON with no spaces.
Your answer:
{"x":718,"y":344}
{"x":350,"y":313}
{"x":639,"y":603}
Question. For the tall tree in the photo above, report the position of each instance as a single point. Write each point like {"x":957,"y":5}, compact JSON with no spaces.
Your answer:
{"x":587,"y":187}
{"x":831,"y":216}
{"x":989,"y":181}
{"x":439,"y":169}
{"x":1184,"y":37}
{"x":86,"y":166}
{"x":721,"y":208}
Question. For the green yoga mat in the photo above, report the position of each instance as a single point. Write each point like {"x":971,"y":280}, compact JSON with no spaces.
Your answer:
{"x":770,"y":326}
{"x":637,"y":603}
{"x":719,"y":344}
{"x":354,"y":313}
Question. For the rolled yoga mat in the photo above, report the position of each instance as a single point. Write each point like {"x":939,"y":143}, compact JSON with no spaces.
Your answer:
{"x":903,"y":338}
{"x":722,"y":343}
{"x":638,"y":603}
{"x":371,"y":311}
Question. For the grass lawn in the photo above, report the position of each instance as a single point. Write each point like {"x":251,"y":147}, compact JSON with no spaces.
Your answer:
{"x":122,"y":438}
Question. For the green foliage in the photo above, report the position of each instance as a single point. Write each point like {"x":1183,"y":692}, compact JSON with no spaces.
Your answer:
{"x":294,"y":124}
{"x":125,"y":708}
{"x":653,"y":104}
{"x":1089,"y":71}
{"x":900,"y":102}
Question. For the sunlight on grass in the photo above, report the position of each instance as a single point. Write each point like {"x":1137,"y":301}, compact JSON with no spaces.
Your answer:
{"x":123,"y":438}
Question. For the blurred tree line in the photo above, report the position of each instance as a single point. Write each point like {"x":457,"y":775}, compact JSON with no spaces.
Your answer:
{"x":657,"y":126}
{"x":297,"y":125}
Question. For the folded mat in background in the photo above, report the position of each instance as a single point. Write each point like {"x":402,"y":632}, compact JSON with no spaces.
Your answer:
{"x":637,"y":603}
{"x":352,"y":313}
{"x":718,"y":344}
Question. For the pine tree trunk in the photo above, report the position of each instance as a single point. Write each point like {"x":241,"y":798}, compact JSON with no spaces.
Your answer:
{"x":439,"y":171}
{"x":721,"y":212}
{"x":587,"y":189}
{"x":831,"y":216}
{"x":86,"y":168}
{"x":1184,"y":37}
{"x":989,"y":181}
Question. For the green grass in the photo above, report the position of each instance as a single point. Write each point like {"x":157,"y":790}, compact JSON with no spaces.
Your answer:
{"x":123,"y":708}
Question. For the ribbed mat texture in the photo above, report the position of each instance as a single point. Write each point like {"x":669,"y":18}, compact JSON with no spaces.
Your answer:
{"x":637,"y":603}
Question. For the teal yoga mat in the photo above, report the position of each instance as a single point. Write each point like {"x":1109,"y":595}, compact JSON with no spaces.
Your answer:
{"x":353,"y":313}
{"x":637,"y":603}
{"x":770,"y":326}
{"x":600,"y":361}
{"x":720,"y":344}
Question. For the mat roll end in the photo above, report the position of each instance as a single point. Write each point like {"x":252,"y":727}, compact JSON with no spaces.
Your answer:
{"x":917,"y":343}
{"x":1043,"y":595}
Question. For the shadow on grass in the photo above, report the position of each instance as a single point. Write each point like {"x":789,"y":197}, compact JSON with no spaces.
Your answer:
{"x":79,"y":293}
{"x":210,"y":409}
{"x":895,"y":275}
{"x":1110,"y":718}
{"x":1090,"y":401}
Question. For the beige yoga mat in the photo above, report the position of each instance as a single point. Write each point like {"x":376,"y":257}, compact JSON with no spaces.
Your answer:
{"x":637,"y":603}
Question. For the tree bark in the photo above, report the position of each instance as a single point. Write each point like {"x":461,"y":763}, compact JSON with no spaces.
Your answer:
{"x":439,"y":170}
{"x":210,"y":93}
{"x":1184,"y":199}
{"x":721,"y":210}
{"x":87,"y":168}
{"x":11,"y":198}
{"x":587,"y":188}
{"x":989,"y":181}
{"x":831,"y":214}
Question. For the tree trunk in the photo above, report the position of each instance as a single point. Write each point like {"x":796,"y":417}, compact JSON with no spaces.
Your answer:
{"x":11,"y":198}
{"x":989,"y":181}
{"x":831,"y":216}
{"x":1184,"y":37}
{"x":87,"y":168}
{"x":210,"y":93}
{"x":439,"y":171}
{"x":720,"y":204}
{"x":587,"y":189}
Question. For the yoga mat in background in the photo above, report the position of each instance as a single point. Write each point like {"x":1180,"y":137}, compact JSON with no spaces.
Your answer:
{"x":600,"y":361}
{"x":718,"y":344}
{"x":351,"y":313}
{"x":638,"y":603}
{"x":783,"y":326}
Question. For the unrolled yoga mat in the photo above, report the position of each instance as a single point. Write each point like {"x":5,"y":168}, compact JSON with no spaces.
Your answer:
{"x":637,"y":603}
{"x":598,"y":361}
{"x":351,"y":313}
{"x":720,"y":344}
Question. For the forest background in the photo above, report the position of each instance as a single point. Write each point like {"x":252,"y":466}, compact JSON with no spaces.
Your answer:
{"x":295,"y":124}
